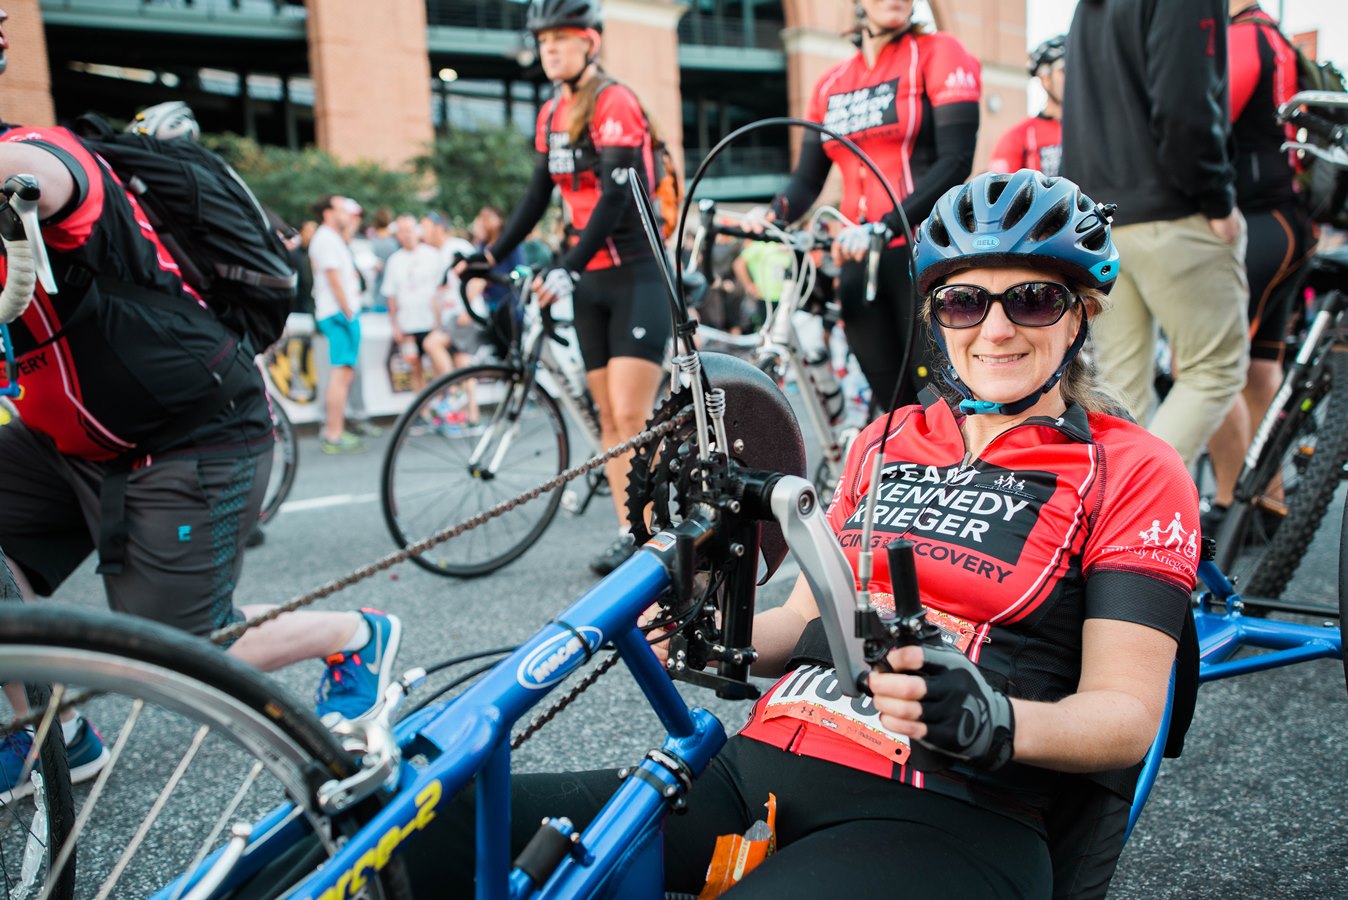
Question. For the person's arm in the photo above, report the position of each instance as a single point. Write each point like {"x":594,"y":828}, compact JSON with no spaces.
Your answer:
{"x":1187,"y":87}
{"x":746,"y":281}
{"x":53,"y":177}
{"x":805,"y":182}
{"x":527,"y":213}
{"x":334,"y":278}
{"x":956,"y":135}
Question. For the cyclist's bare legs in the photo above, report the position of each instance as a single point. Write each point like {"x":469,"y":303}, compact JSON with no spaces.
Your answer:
{"x":293,"y":637}
{"x":1227,"y":447}
{"x":625,"y":392}
{"x":436,"y":347}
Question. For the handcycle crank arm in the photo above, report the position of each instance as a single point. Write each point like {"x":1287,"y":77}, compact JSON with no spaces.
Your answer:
{"x":795,"y":506}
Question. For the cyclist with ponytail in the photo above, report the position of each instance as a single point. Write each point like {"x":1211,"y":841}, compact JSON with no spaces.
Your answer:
{"x":1053,"y":549}
{"x":588,"y":137}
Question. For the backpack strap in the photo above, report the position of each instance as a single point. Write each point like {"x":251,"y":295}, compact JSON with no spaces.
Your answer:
{"x":233,"y":383}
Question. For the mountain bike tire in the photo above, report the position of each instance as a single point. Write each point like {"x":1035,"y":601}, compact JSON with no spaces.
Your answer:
{"x":1307,"y":505}
{"x":1343,"y":588}
{"x":285,"y":462}
{"x":119,"y":659}
{"x":429,"y":482}
{"x":35,"y":828}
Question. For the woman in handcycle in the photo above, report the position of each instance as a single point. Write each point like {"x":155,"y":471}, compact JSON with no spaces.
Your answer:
{"x":1052,"y":547}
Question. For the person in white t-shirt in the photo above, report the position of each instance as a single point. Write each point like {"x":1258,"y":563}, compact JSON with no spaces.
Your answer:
{"x":337,"y":312}
{"x":455,"y":331}
{"x":412,"y":278}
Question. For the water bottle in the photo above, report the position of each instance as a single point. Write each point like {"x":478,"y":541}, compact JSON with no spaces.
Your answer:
{"x":826,"y":386}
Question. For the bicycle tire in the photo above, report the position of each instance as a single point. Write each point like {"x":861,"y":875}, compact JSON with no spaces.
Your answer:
{"x":1307,"y":505}
{"x":1343,"y":588}
{"x":428,"y":481}
{"x":285,"y":463}
{"x":184,"y":681}
{"x":42,"y":831}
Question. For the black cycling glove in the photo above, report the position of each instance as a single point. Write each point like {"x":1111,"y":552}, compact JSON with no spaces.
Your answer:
{"x":966,"y":718}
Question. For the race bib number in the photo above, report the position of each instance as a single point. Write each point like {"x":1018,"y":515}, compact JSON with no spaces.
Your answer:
{"x":813,"y":694}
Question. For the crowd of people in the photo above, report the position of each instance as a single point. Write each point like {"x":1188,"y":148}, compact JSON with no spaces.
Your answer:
{"x":1150,"y":192}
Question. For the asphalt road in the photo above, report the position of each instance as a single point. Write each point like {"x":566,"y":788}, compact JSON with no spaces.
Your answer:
{"x":1253,"y":808}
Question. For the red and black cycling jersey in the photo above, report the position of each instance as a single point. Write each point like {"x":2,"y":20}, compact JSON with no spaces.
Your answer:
{"x":914,"y":113}
{"x":1263,"y":69}
{"x":617,"y":123}
{"x":1032,"y":143}
{"x":99,"y":374}
{"x":1056,"y":521}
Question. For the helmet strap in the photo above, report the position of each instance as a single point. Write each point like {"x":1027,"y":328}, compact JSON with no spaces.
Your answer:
{"x":972,"y":406}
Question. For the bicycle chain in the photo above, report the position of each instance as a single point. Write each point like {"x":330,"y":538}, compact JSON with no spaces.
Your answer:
{"x":233,"y":632}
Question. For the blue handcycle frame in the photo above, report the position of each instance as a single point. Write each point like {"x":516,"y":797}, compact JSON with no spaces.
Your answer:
{"x":1221,"y":635}
{"x":619,"y":854}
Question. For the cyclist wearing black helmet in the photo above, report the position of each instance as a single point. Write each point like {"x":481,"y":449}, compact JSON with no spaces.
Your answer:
{"x":1055,"y":550}
{"x":1036,"y":142}
{"x":588,"y":137}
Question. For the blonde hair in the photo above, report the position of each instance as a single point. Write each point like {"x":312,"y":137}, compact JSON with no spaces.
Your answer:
{"x":1080,"y":384}
{"x":586,"y":97}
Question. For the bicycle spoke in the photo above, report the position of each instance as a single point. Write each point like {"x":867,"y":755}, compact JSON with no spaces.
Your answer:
{"x":220,"y":824}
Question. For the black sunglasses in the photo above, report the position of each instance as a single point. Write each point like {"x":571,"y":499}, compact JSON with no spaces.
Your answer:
{"x":1030,"y":304}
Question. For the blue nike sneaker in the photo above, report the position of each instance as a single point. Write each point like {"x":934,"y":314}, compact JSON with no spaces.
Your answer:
{"x":85,"y":755}
{"x":14,"y":750}
{"x":354,"y":683}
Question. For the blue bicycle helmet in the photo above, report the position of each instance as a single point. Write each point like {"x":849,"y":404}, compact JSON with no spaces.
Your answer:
{"x":1024,"y":219}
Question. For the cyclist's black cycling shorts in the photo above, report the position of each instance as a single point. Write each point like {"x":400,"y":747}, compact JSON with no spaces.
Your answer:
{"x":186,"y":518}
{"x":622,"y":311}
{"x":841,"y":833}
{"x":1275,"y":256}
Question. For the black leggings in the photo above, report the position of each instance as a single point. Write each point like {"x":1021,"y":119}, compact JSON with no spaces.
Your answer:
{"x":622,"y":311}
{"x":1277,"y":250}
{"x":840,"y":832}
{"x":877,"y":332}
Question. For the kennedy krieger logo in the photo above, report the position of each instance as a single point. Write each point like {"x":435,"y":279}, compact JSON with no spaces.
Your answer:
{"x":868,"y":107}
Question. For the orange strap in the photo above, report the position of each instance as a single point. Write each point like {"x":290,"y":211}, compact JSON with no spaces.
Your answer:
{"x":736,"y":855}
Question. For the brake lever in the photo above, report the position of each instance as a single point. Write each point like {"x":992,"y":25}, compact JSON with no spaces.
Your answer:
{"x":878,"y":235}
{"x":23,"y":194}
{"x":1335,"y":156}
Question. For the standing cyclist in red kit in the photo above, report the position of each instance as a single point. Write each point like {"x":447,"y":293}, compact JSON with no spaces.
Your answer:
{"x":909,"y":99}
{"x":1036,"y":142}
{"x":588,"y":137}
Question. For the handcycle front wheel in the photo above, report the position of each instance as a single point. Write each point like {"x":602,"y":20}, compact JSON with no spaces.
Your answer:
{"x":473,"y":439}
{"x":199,"y":742}
{"x":1262,"y":551}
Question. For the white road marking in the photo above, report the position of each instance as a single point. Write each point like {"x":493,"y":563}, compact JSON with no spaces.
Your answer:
{"x":325,"y":502}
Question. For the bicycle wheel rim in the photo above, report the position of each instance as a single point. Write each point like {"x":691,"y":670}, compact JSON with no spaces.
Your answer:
{"x":285,"y":460}
{"x":197,"y":741}
{"x":436,"y":477}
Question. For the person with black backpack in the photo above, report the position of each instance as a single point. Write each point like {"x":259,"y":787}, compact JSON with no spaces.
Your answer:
{"x":588,"y":138}
{"x":143,"y":432}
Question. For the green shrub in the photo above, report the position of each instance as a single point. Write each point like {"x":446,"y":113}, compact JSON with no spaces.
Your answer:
{"x":474,"y":168}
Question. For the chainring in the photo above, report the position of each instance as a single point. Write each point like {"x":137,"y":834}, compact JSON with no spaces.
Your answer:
{"x":658,"y":481}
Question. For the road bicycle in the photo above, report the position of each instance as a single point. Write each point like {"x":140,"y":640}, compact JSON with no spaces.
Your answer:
{"x":1296,"y":458}
{"x":285,"y":454}
{"x":486,"y":433}
{"x":794,"y":342}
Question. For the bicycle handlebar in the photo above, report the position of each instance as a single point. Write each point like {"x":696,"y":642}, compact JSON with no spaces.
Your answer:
{"x":1293,"y":112}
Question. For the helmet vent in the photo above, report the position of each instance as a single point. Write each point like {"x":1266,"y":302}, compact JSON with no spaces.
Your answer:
{"x":964,"y":209}
{"x":1053,"y":221}
{"x":1020,"y":205}
{"x":1094,"y":239}
{"x":936,"y":230}
{"x":995,"y":188}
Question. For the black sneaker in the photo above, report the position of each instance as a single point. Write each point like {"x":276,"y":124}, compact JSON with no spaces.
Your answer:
{"x":613,"y":556}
